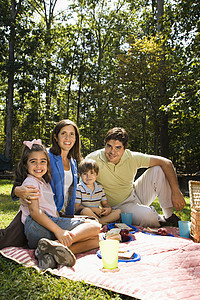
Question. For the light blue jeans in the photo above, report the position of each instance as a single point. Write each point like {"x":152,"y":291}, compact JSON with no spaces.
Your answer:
{"x":34,"y":231}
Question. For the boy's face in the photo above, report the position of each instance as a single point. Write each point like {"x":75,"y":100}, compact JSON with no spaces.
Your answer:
{"x":89,"y":177}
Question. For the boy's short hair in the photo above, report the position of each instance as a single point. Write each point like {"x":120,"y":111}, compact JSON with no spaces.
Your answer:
{"x":117,"y":133}
{"x":87,"y":165}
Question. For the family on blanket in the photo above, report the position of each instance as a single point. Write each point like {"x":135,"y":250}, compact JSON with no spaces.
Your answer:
{"x":46,"y":183}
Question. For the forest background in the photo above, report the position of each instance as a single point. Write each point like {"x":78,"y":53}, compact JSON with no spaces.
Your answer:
{"x":102,"y":64}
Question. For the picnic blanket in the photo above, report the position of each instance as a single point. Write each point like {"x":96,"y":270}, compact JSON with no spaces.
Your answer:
{"x":169,"y":268}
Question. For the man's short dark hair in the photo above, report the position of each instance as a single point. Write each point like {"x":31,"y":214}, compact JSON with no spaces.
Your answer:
{"x":117,"y":133}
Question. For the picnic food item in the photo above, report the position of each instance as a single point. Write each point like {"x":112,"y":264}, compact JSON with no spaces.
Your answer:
{"x":116,"y":236}
{"x":124,"y":235}
{"x":113,"y":234}
{"x":126,"y":254}
{"x":123,"y":226}
{"x":150,"y":230}
{"x":163,"y":231}
{"x":160,"y":231}
{"x":104,"y":228}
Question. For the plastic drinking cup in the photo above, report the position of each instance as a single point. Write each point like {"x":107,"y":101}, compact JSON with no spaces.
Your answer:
{"x":184,"y":228}
{"x":109,"y":253}
{"x":127,"y":218}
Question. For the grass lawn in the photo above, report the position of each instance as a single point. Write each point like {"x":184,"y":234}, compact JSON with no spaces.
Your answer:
{"x":18,"y":282}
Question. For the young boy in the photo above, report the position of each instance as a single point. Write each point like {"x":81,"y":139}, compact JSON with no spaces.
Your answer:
{"x":90,"y":197}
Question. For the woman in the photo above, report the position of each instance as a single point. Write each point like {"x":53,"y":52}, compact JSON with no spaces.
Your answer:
{"x":64,"y":154}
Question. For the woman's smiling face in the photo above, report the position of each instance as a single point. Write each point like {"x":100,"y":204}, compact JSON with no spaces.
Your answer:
{"x":66,"y":138}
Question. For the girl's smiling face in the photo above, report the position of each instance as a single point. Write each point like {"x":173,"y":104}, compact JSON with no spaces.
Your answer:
{"x":37,"y":164}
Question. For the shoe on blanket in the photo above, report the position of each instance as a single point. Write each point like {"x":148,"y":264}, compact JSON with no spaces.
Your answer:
{"x":45,"y":261}
{"x":61,"y":254}
{"x":171,"y":221}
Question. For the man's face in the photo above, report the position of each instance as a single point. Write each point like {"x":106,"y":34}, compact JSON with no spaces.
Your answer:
{"x":114,"y":150}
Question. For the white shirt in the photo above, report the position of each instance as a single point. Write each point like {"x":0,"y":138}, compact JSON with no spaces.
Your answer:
{"x":68,"y":180}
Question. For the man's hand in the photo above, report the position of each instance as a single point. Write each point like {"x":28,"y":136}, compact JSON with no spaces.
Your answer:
{"x":178,"y":200}
{"x":27,"y":193}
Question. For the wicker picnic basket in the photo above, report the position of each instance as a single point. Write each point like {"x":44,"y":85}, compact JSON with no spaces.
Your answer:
{"x":194,"y":190}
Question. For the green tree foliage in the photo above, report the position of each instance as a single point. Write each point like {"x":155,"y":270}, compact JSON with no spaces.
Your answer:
{"x":139,"y":71}
{"x":185,"y":103}
{"x":99,"y":64}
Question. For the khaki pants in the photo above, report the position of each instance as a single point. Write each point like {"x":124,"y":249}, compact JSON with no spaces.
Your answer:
{"x":152,"y":184}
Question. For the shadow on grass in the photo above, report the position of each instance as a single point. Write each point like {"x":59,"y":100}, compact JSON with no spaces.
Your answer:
{"x":7,"y":204}
{"x":6,"y":182}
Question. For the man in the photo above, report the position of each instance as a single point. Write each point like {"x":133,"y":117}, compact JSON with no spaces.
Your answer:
{"x":117,"y":169}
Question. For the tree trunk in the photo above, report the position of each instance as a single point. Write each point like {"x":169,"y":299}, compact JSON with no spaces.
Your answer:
{"x":81,"y":71}
{"x":49,"y":17}
{"x":9,"y":102}
{"x":164,"y":139}
{"x":160,"y":13}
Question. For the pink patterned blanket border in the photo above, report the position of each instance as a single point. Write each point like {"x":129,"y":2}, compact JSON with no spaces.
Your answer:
{"x":169,"y":268}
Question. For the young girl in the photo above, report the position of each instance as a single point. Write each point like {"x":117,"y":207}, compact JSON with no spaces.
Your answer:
{"x":41,"y":222}
{"x":90,"y":197}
